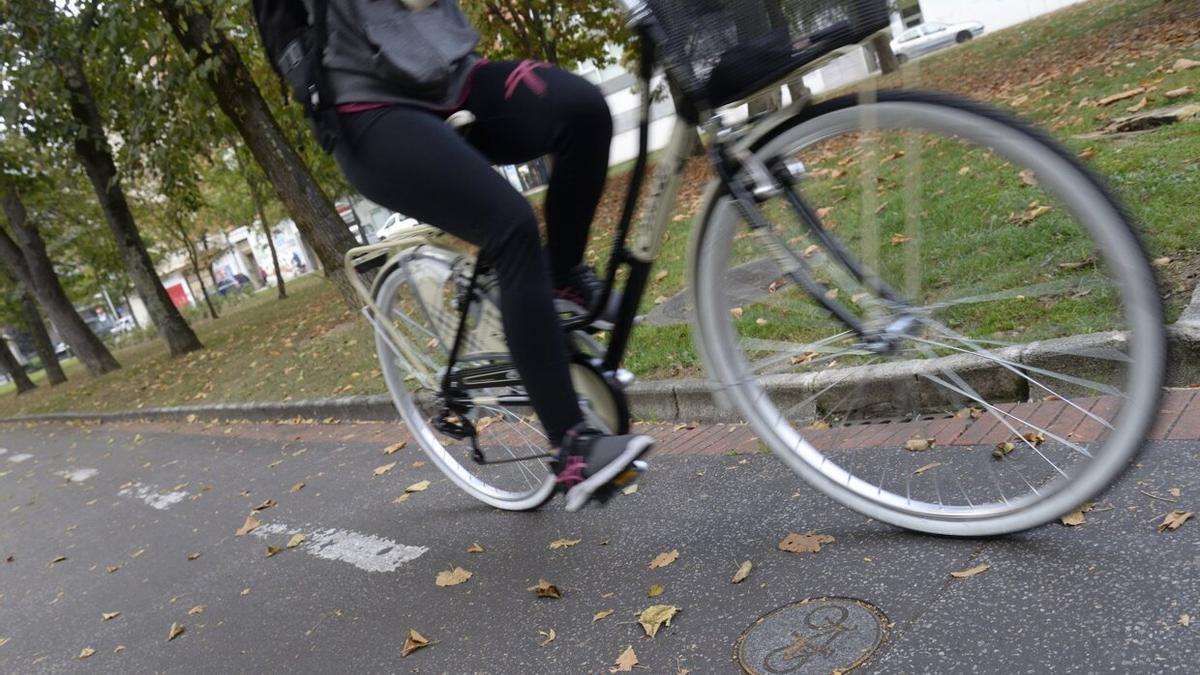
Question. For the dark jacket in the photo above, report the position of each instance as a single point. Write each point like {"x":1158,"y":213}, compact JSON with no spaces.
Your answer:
{"x":379,"y":51}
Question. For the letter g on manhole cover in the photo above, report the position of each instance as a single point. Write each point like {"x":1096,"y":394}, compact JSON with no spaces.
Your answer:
{"x":818,"y":635}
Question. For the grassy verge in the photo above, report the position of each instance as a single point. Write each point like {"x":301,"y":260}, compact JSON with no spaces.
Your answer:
{"x":310,"y":346}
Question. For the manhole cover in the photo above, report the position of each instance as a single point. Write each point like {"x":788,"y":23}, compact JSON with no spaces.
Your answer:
{"x":818,"y":635}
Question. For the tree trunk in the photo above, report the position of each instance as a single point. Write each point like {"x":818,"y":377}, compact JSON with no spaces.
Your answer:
{"x":41,"y":339}
{"x":91,"y":146}
{"x":191,"y":253}
{"x":239,"y":97}
{"x":888,"y":63}
{"x":256,"y":197}
{"x":15,"y":370}
{"x":129,"y":304}
{"x":28,"y":263}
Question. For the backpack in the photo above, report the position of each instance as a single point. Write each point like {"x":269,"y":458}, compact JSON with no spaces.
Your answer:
{"x":295,"y":43}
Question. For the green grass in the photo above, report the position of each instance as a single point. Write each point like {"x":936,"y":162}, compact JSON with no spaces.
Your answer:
{"x":310,"y":346}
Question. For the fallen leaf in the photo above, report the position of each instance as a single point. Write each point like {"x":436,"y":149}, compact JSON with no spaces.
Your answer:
{"x":974,"y":571}
{"x":193,"y":556}
{"x":631,"y":489}
{"x":59,"y":559}
{"x":1174,"y":520}
{"x":898,"y":239}
{"x":664,"y":559}
{"x":1109,"y":100}
{"x":418,"y":487}
{"x":927,"y":467}
{"x":273,"y":550}
{"x":138,"y":553}
{"x":563,"y":543}
{"x":743,"y":572}
{"x":413,"y":642}
{"x":418,"y":464}
{"x":474,"y":548}
{"x":1004,"y":449}
{"x":656,"y":616}
{"x":86,"y":652}
{"x":176,"y":630}
{"x":545,"y":589}
{"x":394,"y":448}
{"x":1034,"y":438}
{"x":918,"y":444}
{"x":245,"y":591}
{"x":401,"y":499}
{"x":296,"y":540}
{"x":625,"y":662}
{"x":964,"y":171}
{"x":118,"y":649}
{"x":1185,"y":620}
{"x":198,"y":609}
{"x":550,"y":636}
{"x":252,"y":523}
{"x":818,"y":425}
{"x":1180,"y":93}
{"x":776,"y":285}
{"x":112,"y":568}
{"x":1139,"y":106}
{"x":662,"y":299}
{"x":1185,"y":64}
{"x":601,"y":615}
{"x":809,"y":252}
{"x":1174,"y":492}
{"x":452,"y":577}
{"x":737,"y":312}
{"x":804,"y":543}
{"x":106,"y":616}
{"x":1162,"y":262}
{"x":824,"y":211}
{"x":382,"y":470}
{"x":297,"y":487}
{"x":654,"y":591}
{"x":1087,"y":153}
{"x":661,"y":275}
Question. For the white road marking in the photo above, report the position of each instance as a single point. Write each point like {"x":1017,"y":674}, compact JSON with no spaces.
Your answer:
{"x":78,"y":475}
{"x":365,"y":551}
{"x":152,"y":496}
{"x":20,"y":458}
{"x":3,"y":451}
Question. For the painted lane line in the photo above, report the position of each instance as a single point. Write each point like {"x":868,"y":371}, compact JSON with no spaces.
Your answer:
{"x":153,"y":496}
{"x":78,"y":475}
{"x":3,"y":451}
{"x":365,"y":551}
{"x":20,"y":458}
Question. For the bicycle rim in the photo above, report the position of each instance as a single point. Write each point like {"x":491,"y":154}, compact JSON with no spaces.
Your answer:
{"x":1007,"y":250}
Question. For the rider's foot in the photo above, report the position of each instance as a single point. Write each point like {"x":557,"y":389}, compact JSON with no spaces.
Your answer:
{"x":580,"y":291}
{"x":592,"y":465}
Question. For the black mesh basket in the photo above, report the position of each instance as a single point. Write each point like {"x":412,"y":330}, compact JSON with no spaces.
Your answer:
{"x":720,"y":51}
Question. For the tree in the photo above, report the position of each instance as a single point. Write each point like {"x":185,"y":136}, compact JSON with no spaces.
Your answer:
{"x":32,"y":318}
{"x":10,"y":365}
{"x":563,"y":33}
{"x":252,"y":183}
{"x":219,"y":63}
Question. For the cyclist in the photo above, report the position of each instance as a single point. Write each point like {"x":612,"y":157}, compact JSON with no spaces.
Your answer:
{"x":398,"y":69}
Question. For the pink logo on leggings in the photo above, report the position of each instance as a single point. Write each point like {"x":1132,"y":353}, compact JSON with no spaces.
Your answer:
{"x":524,"y":73}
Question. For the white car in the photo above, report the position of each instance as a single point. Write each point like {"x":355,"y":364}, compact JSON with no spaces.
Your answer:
{"x":124,"y":324}
{"x":929,"y":37}
{"x":396,"y":224}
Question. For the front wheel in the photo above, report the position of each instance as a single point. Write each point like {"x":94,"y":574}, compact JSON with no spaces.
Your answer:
{"x":1015,"y":348}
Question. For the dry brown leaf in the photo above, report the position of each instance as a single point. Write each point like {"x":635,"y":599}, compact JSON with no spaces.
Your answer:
{"x":252,"y":523}
{"x":176,"y":630}
{"x":631,"y":489}
{"x":1087,"y":153}
{"x":1174,"y":520}
{"x":1125,"y":95}
{"x":974,"y":571}
{"x":198,"y":609}
{"x":1185,"y":64}
{"x":824,"y":211}
{"x":245,"y":591}
{"x":272,"y":551}
{"x":743,"y":571}
{"x":737,"y":312}
{"x":776,"y":285}
{"x":1139,"y":106}
{"x":818,"y":425}
{"x":118,"y":649}
{"x":802,"y":359}
{"x":474,"y":548}
{"x":401,"y":499}
{"x":898,"y":239}
{"x":1180,"y":92}
{"x":655,"y":617}
{"x":452,"y":577}
{"x":413,"y":642}
{"x":918,"y":444}
{"x":1034,"y":438}
{"x":660,"y":300}
{"x":563,"y":543}
{"x":664,"y":559}
{"x":549,"y":635}
{"x":964,"y":171}
{"x":1175,"y":492}
{"x":107,"y":616}
{"x":654,"y":591}
{"x":296,"y":540}
{"x":112,"y":568}
{"x":927,"y":467}
{"x":662,"y":275}
{"x":809,"y":252}
{"x":625,"y":662}
{"x":382,"y":470}
{"x":86,"y":652}
{"x":193,"y":556}
{"x":804,"y":543}
{"x":297,"y":487}
{"x":601,"y":615}
{"x":1028,"y":178}
{"x":265,"y":505}
{"x":1004,"y":449}
{"x":395,"y":447}
{"x":59,"y":559}
{"x":1185,"y":620}
{"x":418,"y":487}
{"x":545,"y":589}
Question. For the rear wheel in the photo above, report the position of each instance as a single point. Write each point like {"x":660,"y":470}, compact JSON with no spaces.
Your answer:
{"x":964,"y":36}
{"x":1023,"y":334}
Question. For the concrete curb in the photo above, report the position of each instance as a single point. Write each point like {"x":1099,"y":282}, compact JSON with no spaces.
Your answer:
{"x":695,"y":400}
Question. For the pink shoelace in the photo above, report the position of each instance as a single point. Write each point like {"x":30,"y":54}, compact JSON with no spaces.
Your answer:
{"x":525,"y":73}
{"x":572,"y":473}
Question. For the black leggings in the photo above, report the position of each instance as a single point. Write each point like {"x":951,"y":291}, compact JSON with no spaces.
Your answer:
{"x":408,"y":160}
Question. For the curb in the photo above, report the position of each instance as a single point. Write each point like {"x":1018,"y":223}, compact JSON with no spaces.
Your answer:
{"x":697,"y":400}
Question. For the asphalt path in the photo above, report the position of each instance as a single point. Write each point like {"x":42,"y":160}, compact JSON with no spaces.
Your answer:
{"x":103,"y":519}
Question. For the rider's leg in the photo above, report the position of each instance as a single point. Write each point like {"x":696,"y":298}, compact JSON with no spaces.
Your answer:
{"x":409,"y":161}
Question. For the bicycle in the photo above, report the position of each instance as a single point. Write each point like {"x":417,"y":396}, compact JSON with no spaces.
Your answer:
{"x":831,"y":288}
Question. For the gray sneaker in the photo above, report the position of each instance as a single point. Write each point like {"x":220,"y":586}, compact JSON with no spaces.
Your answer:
{"x":594,"y":466}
